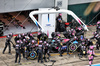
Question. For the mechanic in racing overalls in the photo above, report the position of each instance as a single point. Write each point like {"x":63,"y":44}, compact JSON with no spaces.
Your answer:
{"x":58,"y":20}
{"x":18,"y":37}
{"x":18,"y":52}
{"x":46,"y":50}
{"x":32,"y":46}
{"x":31,"y":37}
{"x":83,"y":51}
{"x":40,"y":51}
{"x":72,"y":33}
{"x":97,"y":37}
{"x":67,"y":34}
{"x":7,"y":43}
{"x":23,"y":36}
{"x":60,"y":24}
{"x":88,"y":43}
{"x":60,"y":47}
{"x":28,"y":44}
{"x":79,"y":32}
{"x":94,"y":35}
{"x":41,"y":36}
{"x":54,"y":34}
{"x":22,"y":48}
{"x":91,"y":54}
{"x":98,"y":27}
{"x":98,"y":41}
{"x":25,"y":51}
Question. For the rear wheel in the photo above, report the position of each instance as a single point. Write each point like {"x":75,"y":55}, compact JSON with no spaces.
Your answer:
{"x":72,"y":47}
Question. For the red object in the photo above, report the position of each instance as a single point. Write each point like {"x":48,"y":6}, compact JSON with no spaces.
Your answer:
{"x":17,"y":34}
{"x":66,"y":23}
{"x":20,"y":25}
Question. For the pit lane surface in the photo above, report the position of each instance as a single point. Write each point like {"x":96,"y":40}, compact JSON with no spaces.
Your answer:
{"x":66,"y":60}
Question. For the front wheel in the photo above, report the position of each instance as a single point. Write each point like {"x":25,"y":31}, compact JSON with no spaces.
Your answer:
{"x":32,"y":55}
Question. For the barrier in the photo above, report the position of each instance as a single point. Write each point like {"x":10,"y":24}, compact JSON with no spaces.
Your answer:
{"x":17,"y":34}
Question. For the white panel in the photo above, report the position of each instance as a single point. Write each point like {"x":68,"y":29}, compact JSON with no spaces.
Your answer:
{"x":52,"y":22}
{"x":47,"y":21}
{"x":44,"y":21}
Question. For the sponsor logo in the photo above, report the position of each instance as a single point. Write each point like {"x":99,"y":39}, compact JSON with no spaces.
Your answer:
{"x":48,"y":24}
